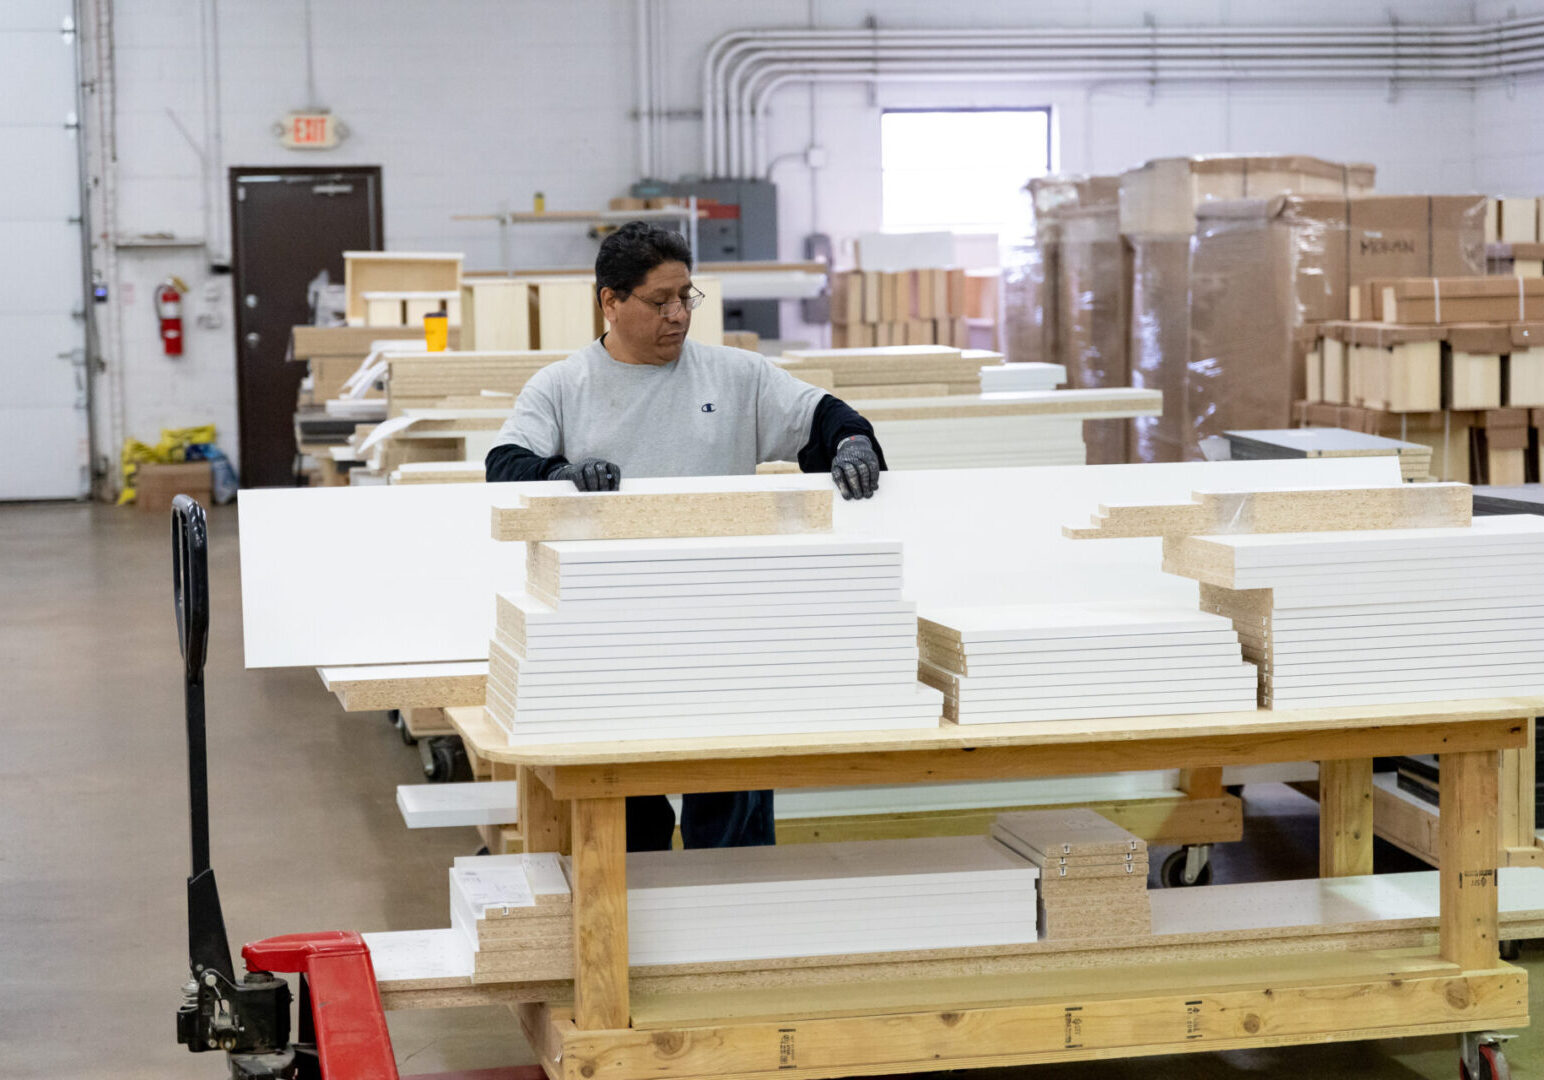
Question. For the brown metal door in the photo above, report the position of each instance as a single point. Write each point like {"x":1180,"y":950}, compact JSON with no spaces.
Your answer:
{"x":288,"y":225}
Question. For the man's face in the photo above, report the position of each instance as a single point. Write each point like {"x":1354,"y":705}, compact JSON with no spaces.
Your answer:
{"x":646,"y":335}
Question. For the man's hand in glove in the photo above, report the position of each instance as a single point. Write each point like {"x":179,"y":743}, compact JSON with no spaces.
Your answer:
{"x":591,"y":474}
{"x":855,"y":468}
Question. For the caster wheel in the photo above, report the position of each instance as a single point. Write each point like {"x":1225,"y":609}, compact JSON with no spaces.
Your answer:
{"x":1172,"y":874}
{"x":407,"y":736}
{"x":445,"y":759}
{"x":1493,"y":1066}
{"x":1511,"y":950}
{"x":482,"y":850}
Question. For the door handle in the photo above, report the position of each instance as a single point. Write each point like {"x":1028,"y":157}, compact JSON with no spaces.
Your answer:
{"x":253,"y":338}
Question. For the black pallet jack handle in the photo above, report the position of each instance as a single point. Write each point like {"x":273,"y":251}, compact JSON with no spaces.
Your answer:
{"x":208,"y":947}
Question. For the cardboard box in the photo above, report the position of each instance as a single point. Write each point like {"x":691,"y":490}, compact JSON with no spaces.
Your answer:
{"x":1161,"y":197}
{"x":1458,"y":300}
{"x":1160,"y":341}
{"x":156,"y":485}
{"x":1093,"y":293}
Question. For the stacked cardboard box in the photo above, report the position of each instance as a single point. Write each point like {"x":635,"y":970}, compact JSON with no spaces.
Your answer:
{"x":1032,"y":264}
{"x":1093,"y":873}
{"x":924,"y":306}
{"x":1265,"y":272}
{"x":1158,"y":206}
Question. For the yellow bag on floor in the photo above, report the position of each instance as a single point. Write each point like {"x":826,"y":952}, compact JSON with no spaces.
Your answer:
{"x":172,"y":449}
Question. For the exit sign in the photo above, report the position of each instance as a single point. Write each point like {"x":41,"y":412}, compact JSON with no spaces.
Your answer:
{"x":310,"y":131}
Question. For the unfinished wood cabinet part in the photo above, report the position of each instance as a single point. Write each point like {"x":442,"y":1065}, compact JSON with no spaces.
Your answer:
{"x":1308,"y":510}
{"x":1333,"y":381}
{"x":567,"y":314}
{"x":396,"y":271}
{"x":1525,"y":377}
{"x":708,"y":320}
{"x":1471,"y":380}
{"x":1517,"y":220}
{"x":617,"y":515}
{"x":495,"y":314}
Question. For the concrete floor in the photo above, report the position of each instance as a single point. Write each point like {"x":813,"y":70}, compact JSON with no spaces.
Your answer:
{"x":306,"y":835}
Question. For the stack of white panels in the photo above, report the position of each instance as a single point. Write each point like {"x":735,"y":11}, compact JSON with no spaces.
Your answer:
{"x":1383,"y":615}
{"x":735,"y":904}
{"x":707,"y":636}
{"x":982,"y":441}
{"x":999,"y":378}
{"x":1071,"y":662}
{"x":514,"y":914}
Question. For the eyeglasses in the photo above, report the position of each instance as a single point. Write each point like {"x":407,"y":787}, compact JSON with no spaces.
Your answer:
{"x":668,"y":309}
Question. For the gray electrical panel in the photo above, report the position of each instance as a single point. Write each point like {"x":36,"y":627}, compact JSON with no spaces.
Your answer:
{"x":741,"y":226}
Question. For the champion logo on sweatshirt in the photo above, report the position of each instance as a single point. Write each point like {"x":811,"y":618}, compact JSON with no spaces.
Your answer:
{"x":708,"y":407}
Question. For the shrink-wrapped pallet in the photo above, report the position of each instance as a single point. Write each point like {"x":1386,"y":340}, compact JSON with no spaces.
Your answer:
{"x":1093,"y":287}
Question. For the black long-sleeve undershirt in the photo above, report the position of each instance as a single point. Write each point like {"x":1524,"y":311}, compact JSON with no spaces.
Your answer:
{"x":834,"y":420}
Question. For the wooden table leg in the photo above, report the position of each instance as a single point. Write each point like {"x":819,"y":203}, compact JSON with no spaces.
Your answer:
{"x":600,"y":913}
{"x":1345,"y":817}
{"x":1467,"y":858}
{"x":544,"y":822}
{"x":1202,"y":783}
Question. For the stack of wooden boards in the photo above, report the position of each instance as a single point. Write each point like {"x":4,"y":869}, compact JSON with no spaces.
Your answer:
{"x":696,"y":636}
{"x":1068,"y":662}
{"x":559,"y":311}
{"x":740,"y":904}
{"x":896,"y":371}
{"x":1093,"y":873}
{"x":1360,"y":596}
{"x":907,"y":307}
{"x":423,"y":380}
{"x":515,"y":915}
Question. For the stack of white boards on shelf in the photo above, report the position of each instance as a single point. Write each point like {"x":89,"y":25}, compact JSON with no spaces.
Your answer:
{"x":1381,"y":615}
{"x":1025,"y":662}
{"x":515,"y":915}
{"x":1001,"y":429}
{"x":1093,"y":873}
{"x":753,"y":903}
{"x":702,"y":636}
{"x":998,"y":378}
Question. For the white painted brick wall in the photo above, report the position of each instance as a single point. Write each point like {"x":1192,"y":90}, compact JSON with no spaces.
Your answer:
{"x":471,"y":103}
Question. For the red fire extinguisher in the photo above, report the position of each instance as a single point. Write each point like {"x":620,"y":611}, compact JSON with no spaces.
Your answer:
{"x":168,"y":308}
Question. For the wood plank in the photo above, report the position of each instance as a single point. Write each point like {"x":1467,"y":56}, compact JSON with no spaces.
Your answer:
{"x":1200,"y":784}
{"x":658,"y":776}
{"x":617,"y":515}
{"x":1468,"y":856}
{"x":545,"y":822}
{"x":599,"y":871}
{"x":1411,"y":506}
{"x":1181,"y":1020}
{"x":1345,"y":817}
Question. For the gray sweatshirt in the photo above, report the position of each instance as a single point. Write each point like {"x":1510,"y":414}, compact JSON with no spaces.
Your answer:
{"x":714,"y":411}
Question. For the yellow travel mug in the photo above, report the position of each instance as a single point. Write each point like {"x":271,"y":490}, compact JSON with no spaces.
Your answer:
{"x":437,"y":330}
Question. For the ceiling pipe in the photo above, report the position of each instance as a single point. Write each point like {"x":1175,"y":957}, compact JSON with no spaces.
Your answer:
{"x":743,"y":68}
{"x":645,"y":106}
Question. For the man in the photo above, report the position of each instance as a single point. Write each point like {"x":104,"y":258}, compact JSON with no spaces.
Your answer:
{"x":645,"y":401}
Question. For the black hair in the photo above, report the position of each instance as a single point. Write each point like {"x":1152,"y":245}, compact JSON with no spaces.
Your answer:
{"x":627,"y":256}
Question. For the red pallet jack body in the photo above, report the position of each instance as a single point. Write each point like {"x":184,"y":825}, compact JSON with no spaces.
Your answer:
{"x":342,"y":1026}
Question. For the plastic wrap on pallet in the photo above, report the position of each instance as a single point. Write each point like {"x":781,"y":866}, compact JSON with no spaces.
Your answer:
{"x":1260,"y":269}
{"x":1092,"y":292}
{"x":1160,"y":342}
{"x":1029,"y":300}
{"x":1161,"y":197}
{"x":1031,"y":263}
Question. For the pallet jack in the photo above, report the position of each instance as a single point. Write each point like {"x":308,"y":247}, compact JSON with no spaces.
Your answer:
{"x":342,"y":1026}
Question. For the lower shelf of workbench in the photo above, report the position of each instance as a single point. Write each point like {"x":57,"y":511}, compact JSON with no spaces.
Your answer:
{"x":988,"y":1021}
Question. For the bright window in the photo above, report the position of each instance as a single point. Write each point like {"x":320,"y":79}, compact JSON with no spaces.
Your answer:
{"x":961,"y":170}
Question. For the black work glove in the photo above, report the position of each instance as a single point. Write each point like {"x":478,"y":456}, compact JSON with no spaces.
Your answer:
{"x":855,"y":468}
{"x":591,"y":474}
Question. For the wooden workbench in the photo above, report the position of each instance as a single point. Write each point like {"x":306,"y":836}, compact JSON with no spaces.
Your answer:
{"x":926,"y":1025}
